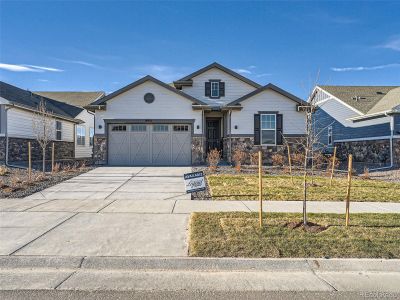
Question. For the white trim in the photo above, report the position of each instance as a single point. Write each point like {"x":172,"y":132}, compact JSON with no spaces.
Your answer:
{"x":337,"y":99}
{"x":330,"y":135}
{"x":383,"y":113}
{"x":387,"y":137}
{"x":261,"y":130}
{"x":211,"y":89}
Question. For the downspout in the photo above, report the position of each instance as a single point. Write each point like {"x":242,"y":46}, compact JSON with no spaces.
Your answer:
{"x":391,"y":146}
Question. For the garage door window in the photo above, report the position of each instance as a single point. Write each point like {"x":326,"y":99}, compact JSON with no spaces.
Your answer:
{"x":118,"y":128}
{"x":181,"y":128}
{"x":160,"y":128}
{"x":138,"y":128}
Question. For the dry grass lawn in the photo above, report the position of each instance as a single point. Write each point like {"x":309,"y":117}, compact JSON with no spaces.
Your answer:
{"x":237,"y":234}
{"x":280,"y":187}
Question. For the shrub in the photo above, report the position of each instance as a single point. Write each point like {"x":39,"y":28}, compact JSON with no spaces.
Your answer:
{"x":278,"y":160}
{"x":3,"y":170}
{"x":365,"y":175}
{"x":298,"y":159}
{"x":57,"y":168}
{"x":213,"y":158}
{"x":238,"y":157}
{"x":254,"y":158}
{"x":319,"y":160}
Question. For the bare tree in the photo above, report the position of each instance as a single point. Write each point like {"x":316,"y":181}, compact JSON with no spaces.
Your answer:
{"x":43,"y":128}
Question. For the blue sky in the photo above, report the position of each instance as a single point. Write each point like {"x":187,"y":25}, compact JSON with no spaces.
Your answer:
{"x":104,"y":45}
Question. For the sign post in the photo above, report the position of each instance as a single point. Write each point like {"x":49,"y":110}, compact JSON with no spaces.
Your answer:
{"x":194,"y":182}
{"x":350,"y":170}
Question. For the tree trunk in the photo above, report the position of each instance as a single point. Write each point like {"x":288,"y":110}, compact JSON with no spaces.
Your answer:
{"x":44,"y":160}
{"x":305,"y":190}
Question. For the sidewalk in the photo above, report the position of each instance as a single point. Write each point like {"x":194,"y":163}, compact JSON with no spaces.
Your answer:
{"x":198,"y":274}
{"x":174,"y":206}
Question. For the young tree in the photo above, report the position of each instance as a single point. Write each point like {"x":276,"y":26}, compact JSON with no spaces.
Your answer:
{"x":43,"y":128}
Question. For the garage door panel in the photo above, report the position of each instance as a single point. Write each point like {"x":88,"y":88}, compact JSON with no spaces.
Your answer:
{"x":140,"y":148}
{"x":161,"y":148}
{"x":119,"y":149}
{"x":181,"y":148}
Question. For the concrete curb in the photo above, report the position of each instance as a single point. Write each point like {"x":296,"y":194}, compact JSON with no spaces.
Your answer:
{"x":200,"y":264}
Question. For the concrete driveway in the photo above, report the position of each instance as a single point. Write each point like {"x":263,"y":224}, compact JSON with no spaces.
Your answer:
{"x":123,"y":183}
{"x":117,"y":211}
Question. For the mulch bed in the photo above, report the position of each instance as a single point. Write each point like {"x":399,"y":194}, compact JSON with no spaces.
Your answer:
{"x":15,"y":183}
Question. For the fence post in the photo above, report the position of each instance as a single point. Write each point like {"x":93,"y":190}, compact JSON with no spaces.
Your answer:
{"x":333,"y":165}
{"x":52,"y":158}
{"x":290,"y":163}
{"x":260,"y":197}
{"x":29,"y":162}
{"x":350,"y":171}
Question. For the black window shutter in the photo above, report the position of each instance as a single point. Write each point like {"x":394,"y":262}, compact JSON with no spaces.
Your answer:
{"x":207,"y":89}
{"x":279,"y":129}
{"x":257,"y":130}
{"x":222,"y":89}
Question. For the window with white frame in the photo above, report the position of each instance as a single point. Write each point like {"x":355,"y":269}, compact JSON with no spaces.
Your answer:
{"x":215,"y":89}
{"x":80,"y":135}
{"x":91,"y":136}
{"x":58,"y":130}
{"x":268,"y":129}
{"x":330,"y":137}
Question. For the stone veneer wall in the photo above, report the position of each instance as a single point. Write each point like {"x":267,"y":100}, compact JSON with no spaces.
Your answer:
{"x":396,"y":152}
{"x":100,"y":149}
{"x":198,"y":150}
{"x":2,"y":150}
{"x":18,"y":149}
{"x":247,"y":144}
{"x":373,"y":152}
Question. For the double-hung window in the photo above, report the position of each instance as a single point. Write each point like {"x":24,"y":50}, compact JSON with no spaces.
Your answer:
{"x":214,"y":89}
{"x":80,"y":135}
{"x":91,"y":136}
{"x":58,"y":131}
{"x":330,"y":139}
{"x":268,"y":129}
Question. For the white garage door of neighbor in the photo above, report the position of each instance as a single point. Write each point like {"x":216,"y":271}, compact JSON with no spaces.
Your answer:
{"x":149,"y":144}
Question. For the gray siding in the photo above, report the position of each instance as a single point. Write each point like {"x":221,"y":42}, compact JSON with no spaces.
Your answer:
{"x":3,"y":120}
{"x":341,"y":132}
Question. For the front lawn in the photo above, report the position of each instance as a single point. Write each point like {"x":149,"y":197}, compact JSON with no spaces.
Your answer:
{"x":280,"y":187}
{"x":238,"y":235}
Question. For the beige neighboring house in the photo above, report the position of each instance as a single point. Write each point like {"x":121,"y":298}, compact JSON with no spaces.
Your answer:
{"x":84,"y":132}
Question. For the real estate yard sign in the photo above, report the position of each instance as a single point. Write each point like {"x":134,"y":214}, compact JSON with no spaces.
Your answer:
{"x":194,"y":182}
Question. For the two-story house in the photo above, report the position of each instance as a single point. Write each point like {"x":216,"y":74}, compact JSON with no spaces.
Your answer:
{"x":149,"y":122}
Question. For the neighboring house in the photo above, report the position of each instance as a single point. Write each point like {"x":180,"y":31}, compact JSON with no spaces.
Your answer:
{"x":85,"y":131}
{"x":362,"y":120}
{"x":149,"y":122}
{"x":17,"y":109}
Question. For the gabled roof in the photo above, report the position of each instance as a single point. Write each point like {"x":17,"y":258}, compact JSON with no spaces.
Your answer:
{"x":30,"y":100}
{"x":362,"y":98}
{"x":270,"y":86}
{"x":80,"y":99}
{"x":104,"y":99}
{"x":389,"y":102}
{"x":187,"y":79}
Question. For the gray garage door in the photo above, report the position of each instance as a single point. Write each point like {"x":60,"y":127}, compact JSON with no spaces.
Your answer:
{"x":149,"y":144}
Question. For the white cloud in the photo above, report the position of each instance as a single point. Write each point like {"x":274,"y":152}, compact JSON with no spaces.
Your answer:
{"x":79,"y":62}
{"x":252,"y":67}
{"x":27,"y":68}
{"x":163,"y":72}
{"x":393,"y":43}
{"x":43,"y":80}
{"x":242,"y":71}
{"x":379,"y":67}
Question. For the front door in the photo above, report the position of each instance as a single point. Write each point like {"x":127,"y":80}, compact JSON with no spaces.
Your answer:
{"x":213,"y":134}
